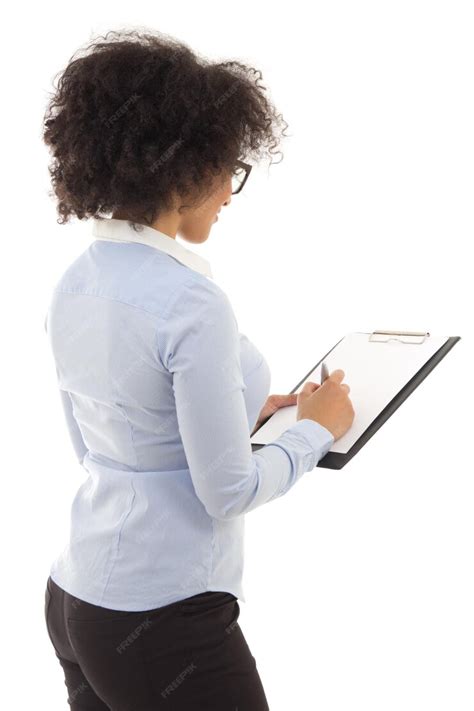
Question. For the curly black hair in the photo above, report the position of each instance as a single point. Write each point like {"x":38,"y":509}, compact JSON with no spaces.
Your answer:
{"x":138,"y":117}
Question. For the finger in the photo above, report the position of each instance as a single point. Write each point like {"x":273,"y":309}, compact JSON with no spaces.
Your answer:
{"x":282,"y":400}
{"x":346,"y":387}
{"x":309,"y":387}
{"x":337,"y":375}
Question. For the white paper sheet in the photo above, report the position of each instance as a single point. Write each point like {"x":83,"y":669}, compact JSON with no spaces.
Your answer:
{"x":375,"y":372}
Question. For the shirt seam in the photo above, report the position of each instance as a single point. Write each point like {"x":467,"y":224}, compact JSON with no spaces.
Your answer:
{"x":211,"y":564}
{"x":193,"y":278}
{"x":119,"y":535}
{"x":132,"y":437}
{"x":165,"y":316}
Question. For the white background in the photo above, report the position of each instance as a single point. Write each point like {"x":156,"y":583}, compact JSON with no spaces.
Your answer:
{"x":358,"y":582}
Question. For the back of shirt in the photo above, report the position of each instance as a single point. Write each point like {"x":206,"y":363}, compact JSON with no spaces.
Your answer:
{"x":103,"y":326}
{"x":161,"y":392}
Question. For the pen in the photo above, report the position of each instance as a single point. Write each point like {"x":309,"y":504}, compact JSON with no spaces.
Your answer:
{"x":324,"y":372}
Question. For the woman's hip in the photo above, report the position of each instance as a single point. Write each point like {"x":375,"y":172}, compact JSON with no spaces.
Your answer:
{"x":190,"y":654}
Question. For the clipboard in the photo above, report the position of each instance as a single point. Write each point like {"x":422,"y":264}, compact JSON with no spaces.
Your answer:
{"x":428,"y":356}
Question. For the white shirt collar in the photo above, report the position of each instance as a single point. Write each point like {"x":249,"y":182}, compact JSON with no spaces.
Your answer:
{"x":110,"y":228}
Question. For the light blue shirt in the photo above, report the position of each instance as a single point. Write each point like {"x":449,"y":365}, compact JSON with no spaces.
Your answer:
{"x":161,"y":392}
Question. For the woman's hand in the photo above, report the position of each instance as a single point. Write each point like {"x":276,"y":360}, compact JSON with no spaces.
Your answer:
{"x":273,"y":403}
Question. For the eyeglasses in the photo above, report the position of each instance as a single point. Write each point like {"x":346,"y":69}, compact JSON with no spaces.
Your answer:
{"x":240,"y":174}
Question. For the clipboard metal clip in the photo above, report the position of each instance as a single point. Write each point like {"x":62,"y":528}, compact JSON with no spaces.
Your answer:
{"x":413,"y":337}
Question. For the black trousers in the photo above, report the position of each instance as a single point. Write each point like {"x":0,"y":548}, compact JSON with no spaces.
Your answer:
{"x":187,"y":656}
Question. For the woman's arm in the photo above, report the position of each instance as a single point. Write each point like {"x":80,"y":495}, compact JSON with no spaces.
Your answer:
{"x":198,"y":342}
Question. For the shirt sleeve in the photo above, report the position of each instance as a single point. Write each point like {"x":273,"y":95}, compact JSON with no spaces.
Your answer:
{"x":198,"y":342}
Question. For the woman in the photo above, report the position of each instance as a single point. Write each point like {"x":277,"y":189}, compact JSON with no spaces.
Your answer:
{"x":160,"y":390}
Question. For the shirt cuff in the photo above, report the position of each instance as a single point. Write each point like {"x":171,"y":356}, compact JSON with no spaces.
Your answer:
{"x":305,"y":443}
{"x":318,"y":437}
